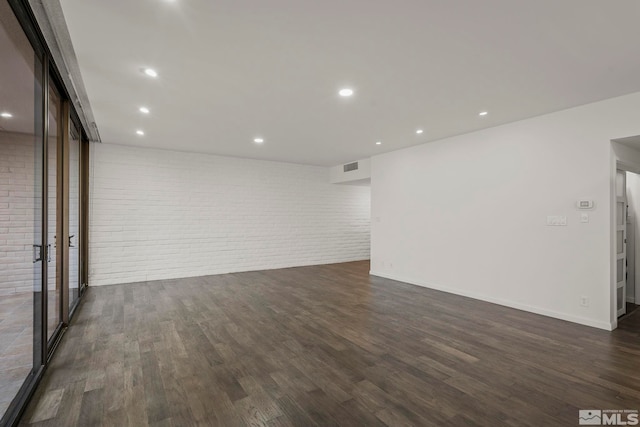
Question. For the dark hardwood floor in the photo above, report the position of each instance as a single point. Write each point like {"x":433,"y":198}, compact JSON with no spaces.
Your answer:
{"x":326,"y":345}
{"x":16,"y":344}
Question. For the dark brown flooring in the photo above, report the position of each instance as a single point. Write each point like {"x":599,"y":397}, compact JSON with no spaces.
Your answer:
{"x":16,"y":341}
{"x":326,"y":345}
{"x":16,"y":344}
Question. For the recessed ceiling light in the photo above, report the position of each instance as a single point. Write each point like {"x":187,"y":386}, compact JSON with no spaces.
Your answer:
{"x":258,"y":140}
{"x":140,"y":132}
{"x":484,"y":113}
{"x":378,"y":143}
{"x":346,"y":92}
{"x":151,"y":72}
{"x":144,"y":110}
{"x":419,"y":131}
{"x":6,"y":115}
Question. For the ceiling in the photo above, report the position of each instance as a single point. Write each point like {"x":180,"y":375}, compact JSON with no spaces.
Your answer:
{"x":631,"y":142}
{"x":233,"y":70}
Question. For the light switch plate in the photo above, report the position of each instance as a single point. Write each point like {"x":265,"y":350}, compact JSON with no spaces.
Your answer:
{"x":584,"y":217}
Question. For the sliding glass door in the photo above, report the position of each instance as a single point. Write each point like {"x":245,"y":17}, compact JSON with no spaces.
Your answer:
{"x":43,"y":202}
{"x":21,"y":210}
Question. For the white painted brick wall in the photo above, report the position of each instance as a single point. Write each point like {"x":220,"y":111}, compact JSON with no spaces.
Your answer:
{"x":74,"y":212}
{"x":17,"y":213}
{"x":159,"y":214}
{"x":52,"y":213}
{"x":17,"y":180}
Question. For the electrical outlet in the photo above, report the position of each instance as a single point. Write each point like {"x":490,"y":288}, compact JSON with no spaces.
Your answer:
{"x":584,"y":301}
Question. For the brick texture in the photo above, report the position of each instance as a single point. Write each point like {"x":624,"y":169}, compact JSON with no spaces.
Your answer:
{"x":157,"y":214}
{"x":20,"y":210}
{"x":17,"y":192}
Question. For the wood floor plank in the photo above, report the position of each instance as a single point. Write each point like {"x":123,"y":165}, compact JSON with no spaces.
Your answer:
{"x":91,"y":408}
{"x":47,"y":407}
{"x":325,"y":345}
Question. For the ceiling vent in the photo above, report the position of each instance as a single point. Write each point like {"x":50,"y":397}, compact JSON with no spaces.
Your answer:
{"x":351,"y":167}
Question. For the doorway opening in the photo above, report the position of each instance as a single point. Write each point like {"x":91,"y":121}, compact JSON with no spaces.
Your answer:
{"x":625,"y":260}
{"x":627,"y":243}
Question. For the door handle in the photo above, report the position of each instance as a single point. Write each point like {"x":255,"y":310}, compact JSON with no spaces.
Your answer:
{"x":49,"y":252}
{"x":37,"y":253}
{"x":71,"y":237}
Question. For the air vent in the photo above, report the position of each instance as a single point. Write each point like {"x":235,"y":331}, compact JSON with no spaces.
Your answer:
{"x":351,"y":167}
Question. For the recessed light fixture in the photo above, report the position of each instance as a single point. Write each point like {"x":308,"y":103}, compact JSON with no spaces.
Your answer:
{"x":151,"y":72}
{"x":484,"y":113}
{"x":258,"y":140}
{"x":419,"y":131}
{"x":140,"y":132}
{"x":378,"y":143}
{"x":144,"y":110}
{"x":346,"y":92}
{"x":6,"y":115}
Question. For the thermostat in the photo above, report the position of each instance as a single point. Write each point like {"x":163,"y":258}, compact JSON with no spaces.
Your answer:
{"x":585,"y":204}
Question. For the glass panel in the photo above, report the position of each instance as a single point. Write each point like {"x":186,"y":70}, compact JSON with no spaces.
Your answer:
{"x":620,"y":270}
{"x":620,"y":299}
{"x":620,"y":242}
{"x":620,"y":184}
{"x":74,"y":215}
{"x":620,"y":213}
{"x":54,"y":281}
{"x":20,"y":206}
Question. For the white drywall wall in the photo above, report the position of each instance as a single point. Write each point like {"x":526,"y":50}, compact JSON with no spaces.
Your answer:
{"x":468,"y":214}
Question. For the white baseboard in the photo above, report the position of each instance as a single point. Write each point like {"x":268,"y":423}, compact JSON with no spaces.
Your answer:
{"x":532,"y":309}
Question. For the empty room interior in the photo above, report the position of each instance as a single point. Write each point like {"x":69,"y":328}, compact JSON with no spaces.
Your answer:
{"x":319,"y":213}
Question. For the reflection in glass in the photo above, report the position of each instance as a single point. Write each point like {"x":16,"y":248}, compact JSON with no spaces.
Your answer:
{"x":54,"y":281}
{"x":20,"y":205}
{"x":74,"y":215}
